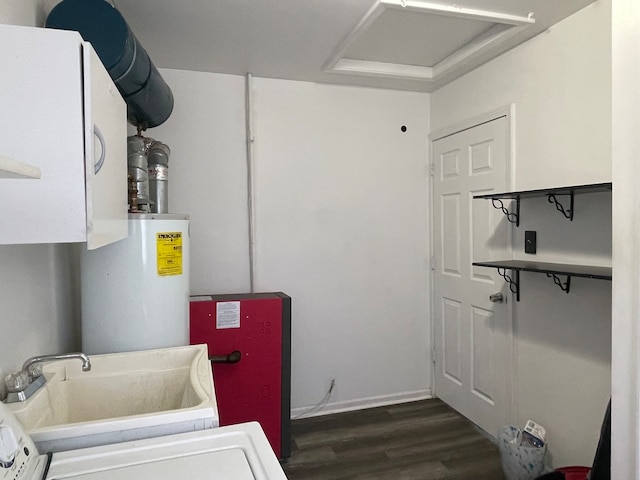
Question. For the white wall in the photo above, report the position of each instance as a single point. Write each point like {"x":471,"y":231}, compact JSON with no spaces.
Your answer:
{"x":560,"y":84}
{"x":625,"y":418}
{"x":341,"y":222}
{"x":31,"y":13}
{"x":19,"y":12}
{"x":40,"y":315}
{"x":341,"y":225}
{"x":563,"y":340}
{"x":208,"y":176}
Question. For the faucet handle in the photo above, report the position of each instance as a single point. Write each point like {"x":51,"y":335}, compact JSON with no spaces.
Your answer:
{"x":34,"y":371}
{"x":17,"y":381}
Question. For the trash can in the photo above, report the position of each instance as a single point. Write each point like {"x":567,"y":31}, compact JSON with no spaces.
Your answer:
{"x":567,"y":473}
{"x":519,"y":461}
{"x":574,"y":472}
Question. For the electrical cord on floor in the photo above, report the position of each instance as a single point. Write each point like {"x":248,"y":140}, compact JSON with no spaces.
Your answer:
{"x":320,"y":405}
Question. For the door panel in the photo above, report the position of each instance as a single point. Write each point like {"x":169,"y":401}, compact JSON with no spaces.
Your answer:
{"x":472,"y":335}
{"x":450,"y":164}
{"x":452,"y":335}
{"x":483,"y":220}
{"x":451,"y":230}
{"x":482,"y":347}
{"x":480,"y":156}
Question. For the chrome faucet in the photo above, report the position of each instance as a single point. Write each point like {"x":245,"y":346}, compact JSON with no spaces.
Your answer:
{"x":86,"y":363}
{"x":24,"y":383}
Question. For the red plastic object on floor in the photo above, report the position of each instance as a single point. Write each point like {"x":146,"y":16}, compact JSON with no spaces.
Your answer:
{"x":574,"y":473}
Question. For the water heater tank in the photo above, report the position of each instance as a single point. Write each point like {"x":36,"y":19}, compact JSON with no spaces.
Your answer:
{"x":149,"y":99}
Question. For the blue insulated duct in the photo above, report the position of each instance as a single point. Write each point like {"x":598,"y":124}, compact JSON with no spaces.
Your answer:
{"x":149,"y":99}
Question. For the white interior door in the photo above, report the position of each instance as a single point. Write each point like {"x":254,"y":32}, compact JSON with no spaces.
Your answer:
{"x":472,"y":335}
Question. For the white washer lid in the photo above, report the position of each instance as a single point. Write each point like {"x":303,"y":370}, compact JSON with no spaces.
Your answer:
{"x":236,"y":452}
{"x":221,"y":465}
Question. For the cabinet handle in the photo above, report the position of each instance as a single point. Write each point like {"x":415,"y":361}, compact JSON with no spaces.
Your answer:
{"x":103,"y":149}
{"x":233,"y":357}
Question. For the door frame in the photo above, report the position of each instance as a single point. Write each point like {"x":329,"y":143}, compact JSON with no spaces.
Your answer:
{"x":508,"y":111}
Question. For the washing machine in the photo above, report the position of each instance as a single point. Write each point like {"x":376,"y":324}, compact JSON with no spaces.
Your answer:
{"x":237,"y":452}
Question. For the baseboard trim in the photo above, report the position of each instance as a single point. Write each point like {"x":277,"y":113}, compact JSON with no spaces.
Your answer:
{"x":362,"y":403}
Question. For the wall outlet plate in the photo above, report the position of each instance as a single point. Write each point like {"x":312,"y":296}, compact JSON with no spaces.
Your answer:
{"x":530,"y":241}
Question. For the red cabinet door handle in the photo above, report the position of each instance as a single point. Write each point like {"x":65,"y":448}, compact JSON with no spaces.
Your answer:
{"x":233,"y":357}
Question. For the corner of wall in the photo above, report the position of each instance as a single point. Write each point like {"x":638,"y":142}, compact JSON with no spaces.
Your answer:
{"x":20,"y":12}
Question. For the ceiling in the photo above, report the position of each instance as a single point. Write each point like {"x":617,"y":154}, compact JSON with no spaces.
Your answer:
{"x":400,"y":44}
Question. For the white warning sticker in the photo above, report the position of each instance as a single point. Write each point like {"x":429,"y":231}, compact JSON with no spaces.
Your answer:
{"x":227,"y":315}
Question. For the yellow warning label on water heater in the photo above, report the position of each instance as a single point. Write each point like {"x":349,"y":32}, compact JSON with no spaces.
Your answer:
{"x":169,"y":248}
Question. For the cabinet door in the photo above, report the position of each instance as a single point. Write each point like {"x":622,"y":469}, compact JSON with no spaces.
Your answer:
{"x":41,"y":125}
{"x":106,"y":154}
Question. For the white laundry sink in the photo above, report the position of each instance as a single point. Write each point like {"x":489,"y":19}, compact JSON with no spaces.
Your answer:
{"x":125,"y":396}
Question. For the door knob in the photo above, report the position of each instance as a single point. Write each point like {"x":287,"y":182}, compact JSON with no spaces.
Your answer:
{"x":496,"y":297}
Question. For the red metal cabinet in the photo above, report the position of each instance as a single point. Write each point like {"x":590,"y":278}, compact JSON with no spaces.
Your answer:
{"x":256,"y":383}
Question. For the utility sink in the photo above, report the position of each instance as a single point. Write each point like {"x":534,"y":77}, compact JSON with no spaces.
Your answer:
{"x":125,"y":396}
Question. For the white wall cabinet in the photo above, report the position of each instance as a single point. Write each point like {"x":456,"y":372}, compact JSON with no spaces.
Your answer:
{"x":62,"y":139}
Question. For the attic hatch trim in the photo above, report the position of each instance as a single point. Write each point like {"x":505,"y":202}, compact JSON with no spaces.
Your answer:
{"x":506,"y":25}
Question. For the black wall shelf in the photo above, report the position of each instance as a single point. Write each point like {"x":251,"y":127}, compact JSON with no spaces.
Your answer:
{"x":552,"y":270}
{"x":552,"y":195}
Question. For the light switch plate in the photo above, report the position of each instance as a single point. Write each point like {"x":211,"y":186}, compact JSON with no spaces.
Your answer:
{"x":530,"y":241}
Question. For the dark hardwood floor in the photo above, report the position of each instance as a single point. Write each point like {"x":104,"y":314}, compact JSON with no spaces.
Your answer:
{"x":424,"y":440}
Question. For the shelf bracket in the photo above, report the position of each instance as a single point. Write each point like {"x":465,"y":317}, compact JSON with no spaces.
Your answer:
{"x":514,"y":282}
{"x":567,"y":212}
{"x":563,"y":286}
{"x":513,"y":217}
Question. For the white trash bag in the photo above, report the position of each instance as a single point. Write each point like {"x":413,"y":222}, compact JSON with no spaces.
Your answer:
{"x":520,"y":461}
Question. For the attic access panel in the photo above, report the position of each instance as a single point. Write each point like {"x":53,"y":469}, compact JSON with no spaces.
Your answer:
{"x":420,"y":40}
{"x":440,"y":35}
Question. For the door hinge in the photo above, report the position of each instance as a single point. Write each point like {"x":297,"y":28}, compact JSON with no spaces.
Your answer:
{"x":433,"y":263}
{"x":433,"y":356}
{"x":432,"y":169}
